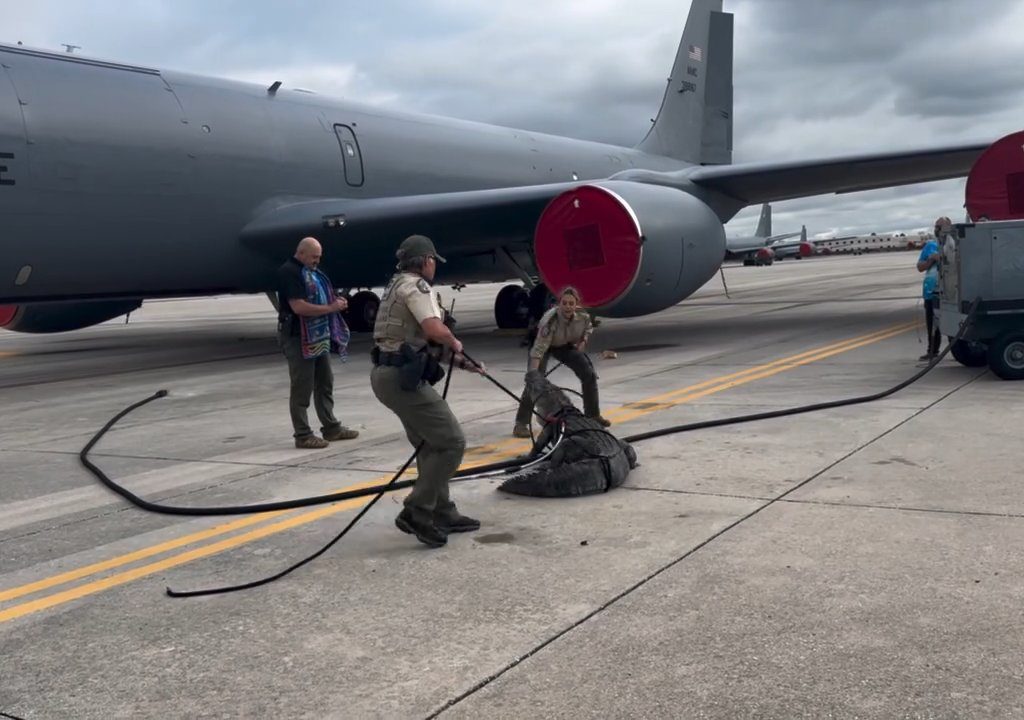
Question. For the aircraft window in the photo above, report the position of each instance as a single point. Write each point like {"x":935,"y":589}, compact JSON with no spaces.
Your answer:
{"x":350,"y":150}
{"x":23,"y":275}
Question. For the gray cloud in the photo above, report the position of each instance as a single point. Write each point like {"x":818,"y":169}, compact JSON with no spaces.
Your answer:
{"x":812,"y":78}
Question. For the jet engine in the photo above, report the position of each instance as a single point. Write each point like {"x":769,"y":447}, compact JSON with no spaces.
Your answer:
{"x":63,"y":316}
{"x":630,"y":248}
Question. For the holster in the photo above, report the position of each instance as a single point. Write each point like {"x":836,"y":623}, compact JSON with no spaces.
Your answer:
{"x":411,"y":372}
{"x":432,"y":371}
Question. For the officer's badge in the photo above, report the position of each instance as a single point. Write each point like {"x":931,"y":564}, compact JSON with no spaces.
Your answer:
{"x":423,"y":286}
{"x":545,"y":331}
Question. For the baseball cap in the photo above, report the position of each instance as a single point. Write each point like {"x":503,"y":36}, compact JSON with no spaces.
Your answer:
{"x":417,"y":246}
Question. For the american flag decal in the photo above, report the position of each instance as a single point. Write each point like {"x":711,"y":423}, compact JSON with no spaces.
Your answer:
{"x":695,"y":53}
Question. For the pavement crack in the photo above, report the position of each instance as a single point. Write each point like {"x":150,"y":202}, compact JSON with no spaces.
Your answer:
{"x":906,"y":508}
{"x":698,"y":547}
{"x":695,"y":492}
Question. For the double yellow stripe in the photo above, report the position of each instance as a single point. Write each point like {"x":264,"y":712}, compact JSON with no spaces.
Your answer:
{"x":633,"y":410}
{"x":488,"y":453}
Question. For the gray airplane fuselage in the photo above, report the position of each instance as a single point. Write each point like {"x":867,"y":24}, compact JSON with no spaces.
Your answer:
{"x":139,"y":181}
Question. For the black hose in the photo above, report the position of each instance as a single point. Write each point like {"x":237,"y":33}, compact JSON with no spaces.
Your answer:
{"x":737,"y":419}
{"x":246,"y":509}
{"x":479,"y":470}
{"x":339,"y":536}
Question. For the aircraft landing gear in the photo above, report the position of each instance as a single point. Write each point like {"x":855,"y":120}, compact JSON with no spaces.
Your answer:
{"x":362,"y":311}
{"x":540,"y":300}
{"x":512,"y":307}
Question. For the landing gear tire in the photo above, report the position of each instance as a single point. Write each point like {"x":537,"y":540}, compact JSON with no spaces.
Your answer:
{"x":512,"y":307}
{"x":969,"y":354}
{"x":1006,"y":355}
{"x":540,"y":300}
{"x":362,"y":311}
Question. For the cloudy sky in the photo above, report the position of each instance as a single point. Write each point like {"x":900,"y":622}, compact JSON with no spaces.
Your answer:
{"x":812,"y":78}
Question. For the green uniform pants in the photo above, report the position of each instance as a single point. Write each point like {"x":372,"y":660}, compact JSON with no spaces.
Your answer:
{"x":580,"y":364}
{"x":426,"y":417}
{"x":308,"y":377}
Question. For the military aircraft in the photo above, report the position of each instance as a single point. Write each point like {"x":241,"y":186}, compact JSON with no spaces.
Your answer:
{"x":760,"y":248}
{"x":800,"y":248}
{"x":120,"y":183}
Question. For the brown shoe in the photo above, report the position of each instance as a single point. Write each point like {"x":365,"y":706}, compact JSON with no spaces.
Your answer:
{"x":310,"y":442}
{"x":340,"y":433}
{"x":601,"y":421}
{"x":521,"y":431}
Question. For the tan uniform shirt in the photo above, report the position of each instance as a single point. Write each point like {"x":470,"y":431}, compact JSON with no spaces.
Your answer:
{"x":408,"y":300}
{"x":554,"y":330}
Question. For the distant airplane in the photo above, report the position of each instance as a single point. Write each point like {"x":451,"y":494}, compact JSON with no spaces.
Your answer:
{"x":120,"y":183}
{"x":759,"y":248}
{"x":796,"y":249}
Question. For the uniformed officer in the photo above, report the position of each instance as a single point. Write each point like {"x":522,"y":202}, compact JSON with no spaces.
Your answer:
{"x":402,"y":379}
{"x":562,"y":333}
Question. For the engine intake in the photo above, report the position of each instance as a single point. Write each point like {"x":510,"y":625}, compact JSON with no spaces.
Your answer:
{"x":629,"y":248}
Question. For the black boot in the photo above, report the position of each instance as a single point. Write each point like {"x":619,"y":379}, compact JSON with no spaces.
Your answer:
{"x":415,"y":522}
{"x":448,"y":519}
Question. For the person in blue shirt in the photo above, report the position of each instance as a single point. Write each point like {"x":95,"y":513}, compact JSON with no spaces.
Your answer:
{"x":928,"y":263}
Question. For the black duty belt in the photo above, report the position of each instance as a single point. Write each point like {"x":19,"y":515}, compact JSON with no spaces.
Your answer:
{"x":391,"y":359}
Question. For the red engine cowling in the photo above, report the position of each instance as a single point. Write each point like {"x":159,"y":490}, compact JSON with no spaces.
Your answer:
{"x":995,"y":185}
{"x":806,"y":249}
{"x":629,"y":248}
{"x":765,"y":254}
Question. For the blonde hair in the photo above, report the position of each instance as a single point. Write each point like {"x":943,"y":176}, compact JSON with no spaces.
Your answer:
{"x":570,"y":290}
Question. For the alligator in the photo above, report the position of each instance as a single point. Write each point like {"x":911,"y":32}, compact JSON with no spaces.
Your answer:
{"x":588,"y":460}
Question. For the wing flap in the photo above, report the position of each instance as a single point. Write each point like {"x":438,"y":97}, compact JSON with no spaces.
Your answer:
{"x":460,"y":223}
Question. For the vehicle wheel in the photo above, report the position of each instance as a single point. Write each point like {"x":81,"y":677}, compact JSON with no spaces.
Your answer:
{"x":748,"y":262}
{"x":1006,"y":355}
{"x":512,"y":307}
{"x":540,"y":300}
{"x":362,"y":311}
{"x":969,"y":354}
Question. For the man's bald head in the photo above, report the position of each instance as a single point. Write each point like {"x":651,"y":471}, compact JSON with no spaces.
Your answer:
{"x":308,"y":252}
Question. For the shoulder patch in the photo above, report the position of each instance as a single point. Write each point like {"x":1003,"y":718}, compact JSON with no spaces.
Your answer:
{"x":423,"y":286}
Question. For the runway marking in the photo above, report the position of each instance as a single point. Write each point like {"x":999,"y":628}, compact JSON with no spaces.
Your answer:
{"x":622,"y":414}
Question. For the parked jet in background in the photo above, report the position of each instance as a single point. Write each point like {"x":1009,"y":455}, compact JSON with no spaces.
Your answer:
{"x":759,"y":248}
{"x":800,"y":248}
{"x":120,"y":183}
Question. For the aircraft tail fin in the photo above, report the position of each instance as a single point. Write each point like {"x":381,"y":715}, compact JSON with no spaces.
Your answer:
{"x":764,"y":224}
{"x":803,"y":233}
{"x":694,"y":123}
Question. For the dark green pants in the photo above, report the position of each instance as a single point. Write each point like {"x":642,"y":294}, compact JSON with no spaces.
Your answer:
{"x":580,"y":364}
{"x":308,"y":377}
{"x":426,"y":417}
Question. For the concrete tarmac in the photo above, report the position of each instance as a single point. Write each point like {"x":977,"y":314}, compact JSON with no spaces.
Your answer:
{"x":854,"y":562}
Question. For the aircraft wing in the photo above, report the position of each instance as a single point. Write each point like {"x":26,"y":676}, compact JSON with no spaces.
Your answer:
{"x":769,"y":182}
{"x":460,"y":223}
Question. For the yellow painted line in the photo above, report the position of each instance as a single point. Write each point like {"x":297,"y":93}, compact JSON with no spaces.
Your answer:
{"x":130,"y":557}
{"x":144,"y":553}
{"x":666,"y":398}
{"x":702,"y":389}
{"x":763,"y":371}
{"x":121,"y":578}
{"x":670,"y":399}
